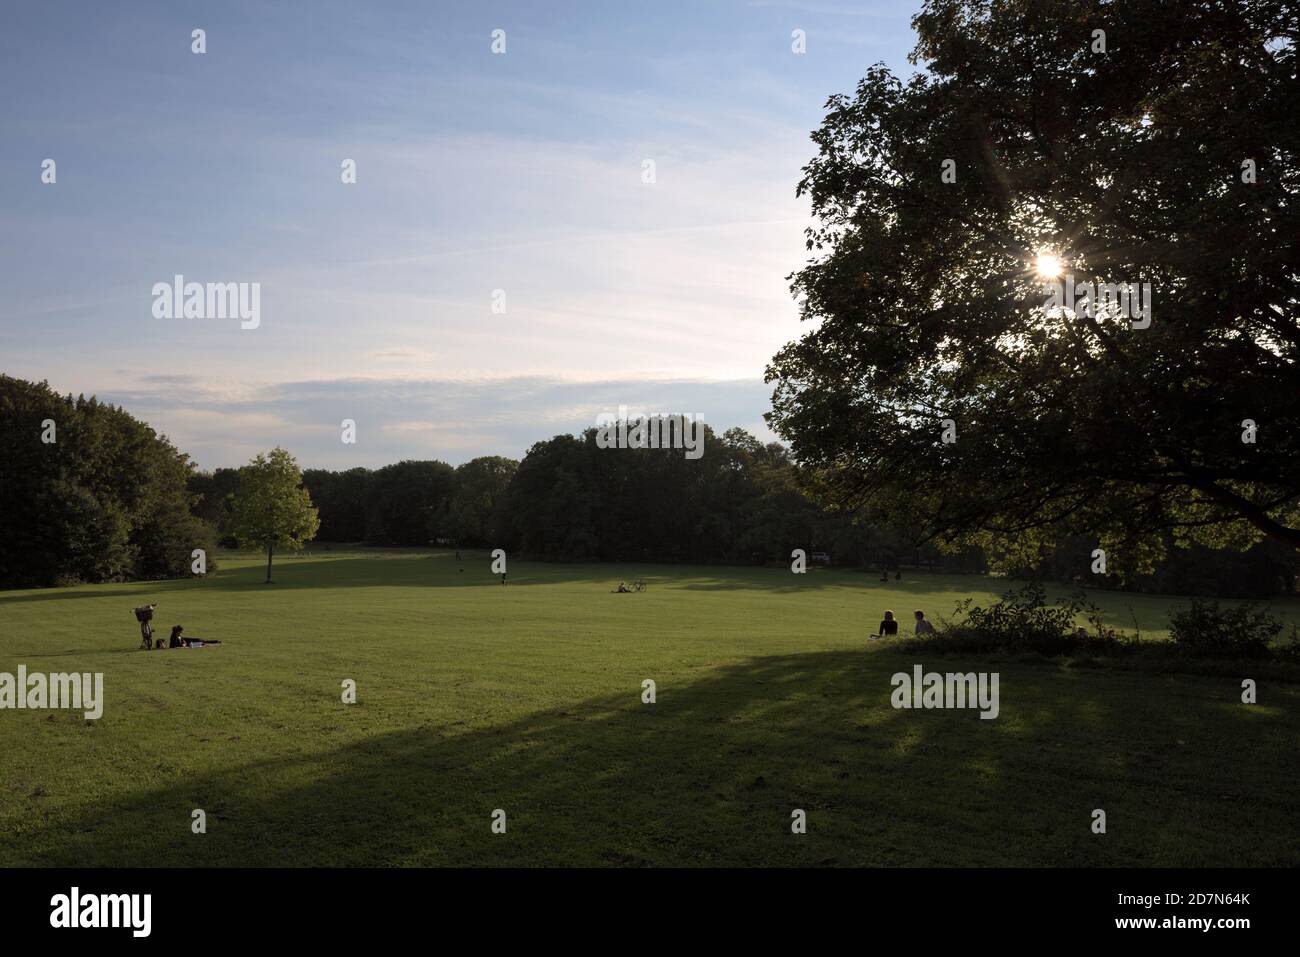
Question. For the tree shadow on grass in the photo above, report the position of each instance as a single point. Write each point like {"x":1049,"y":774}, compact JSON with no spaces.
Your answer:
{"x":711,"y":772}
{"x":419,"y":571}
{"x":783,"y":580}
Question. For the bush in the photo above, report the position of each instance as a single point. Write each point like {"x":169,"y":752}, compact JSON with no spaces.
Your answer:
{"x":1207,"y":631}
{"x":1022,"y":620}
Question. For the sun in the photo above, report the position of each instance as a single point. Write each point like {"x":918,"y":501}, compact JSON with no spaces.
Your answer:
{"x":1048,"y":265}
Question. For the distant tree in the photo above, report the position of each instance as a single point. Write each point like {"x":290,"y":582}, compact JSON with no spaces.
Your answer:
{"x":570,"y":500}
{"x":213,"y":492}
{"x":271,"y":507}
{"x":1172,"y":157}
{"x":550,"y":479}
{"x":341,"y":499}
{"x":400,"y":498}
{"x":470,"y":515}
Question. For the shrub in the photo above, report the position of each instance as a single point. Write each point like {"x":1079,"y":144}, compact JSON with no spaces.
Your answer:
{"x":1022,"y":620}
{"x":1207,"y":631}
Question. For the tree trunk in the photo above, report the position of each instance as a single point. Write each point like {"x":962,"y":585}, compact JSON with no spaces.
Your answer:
{"x":269,"y":547}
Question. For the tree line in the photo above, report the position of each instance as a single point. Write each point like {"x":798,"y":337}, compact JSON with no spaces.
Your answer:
{"x":569,"y":500}
{"x":743,"y":502}
{"x":108,"y":499}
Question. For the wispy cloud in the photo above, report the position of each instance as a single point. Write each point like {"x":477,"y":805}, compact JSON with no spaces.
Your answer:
{"x":450,"y":419}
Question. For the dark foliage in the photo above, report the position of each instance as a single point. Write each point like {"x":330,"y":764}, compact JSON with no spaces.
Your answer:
{"x":925,"y":305}
{"x":107,"y":500}
{"x":1265,"y":570}
{"x":1022,"y":621}
{"x":1208,"y":631}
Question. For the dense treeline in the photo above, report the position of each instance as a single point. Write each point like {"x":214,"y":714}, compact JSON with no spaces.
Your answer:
{"x":572,"y":501}
{"x":411,"y":503}
{"x":741,"y":502}
{"x":107,"y":499}
{"x":89,"y":494}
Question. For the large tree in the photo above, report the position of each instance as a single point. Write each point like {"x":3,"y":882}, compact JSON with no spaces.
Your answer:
{"x":271,"y":507}
{"x":1164,"y":150}
{"x":88,"y":493}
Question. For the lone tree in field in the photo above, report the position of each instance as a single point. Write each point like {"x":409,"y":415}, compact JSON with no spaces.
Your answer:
{"x":1140,"y":142}
{"x":271,"y":508}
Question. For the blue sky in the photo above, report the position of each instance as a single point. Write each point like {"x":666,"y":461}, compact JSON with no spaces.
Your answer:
{"x":475,"y":172}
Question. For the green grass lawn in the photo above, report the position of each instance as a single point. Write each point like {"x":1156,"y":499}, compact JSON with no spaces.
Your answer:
{"x":473,"y":697}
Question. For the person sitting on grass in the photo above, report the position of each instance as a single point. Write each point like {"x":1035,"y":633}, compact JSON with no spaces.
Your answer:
{"x":923,"y":627}
{"x":176,"y":640}
{"x":888,"y":627}
{"x":622,"y":588}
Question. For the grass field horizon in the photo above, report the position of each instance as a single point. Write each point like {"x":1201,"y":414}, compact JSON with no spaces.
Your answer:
{"x":472,"y":696}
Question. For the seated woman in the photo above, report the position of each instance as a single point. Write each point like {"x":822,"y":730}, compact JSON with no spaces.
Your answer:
{"x":888,"y":626}
{"x":176,"y":640}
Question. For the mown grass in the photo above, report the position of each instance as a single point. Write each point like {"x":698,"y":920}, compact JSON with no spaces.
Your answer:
{"x":473,"y":696}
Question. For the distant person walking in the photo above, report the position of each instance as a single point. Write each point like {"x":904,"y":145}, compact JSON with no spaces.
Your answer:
{"x":923,"y":627}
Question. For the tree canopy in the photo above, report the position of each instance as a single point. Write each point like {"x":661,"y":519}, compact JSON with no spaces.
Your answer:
{"x":1164,"y":151}
{"x":271,"y":508}
{"x":89,"y":493}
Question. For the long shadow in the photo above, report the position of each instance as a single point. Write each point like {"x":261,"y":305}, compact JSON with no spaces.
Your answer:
{"x":710,"y":773}
{"x":786,"y":582}
{"x":424,"y":572}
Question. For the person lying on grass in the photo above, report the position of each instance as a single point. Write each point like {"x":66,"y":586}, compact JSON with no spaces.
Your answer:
{"x":177,"y":640}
